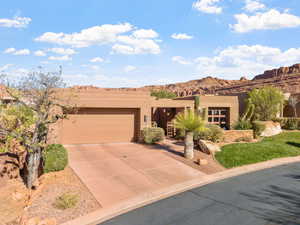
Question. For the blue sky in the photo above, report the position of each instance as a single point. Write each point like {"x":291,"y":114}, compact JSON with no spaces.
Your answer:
{"x":131,"y":43}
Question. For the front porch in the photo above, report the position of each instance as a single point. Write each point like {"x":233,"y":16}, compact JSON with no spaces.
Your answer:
{"x":163,"y":117}
{"x":164,"y":111}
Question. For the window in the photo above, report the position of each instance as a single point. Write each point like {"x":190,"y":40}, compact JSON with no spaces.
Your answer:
{"x":219,"y":116}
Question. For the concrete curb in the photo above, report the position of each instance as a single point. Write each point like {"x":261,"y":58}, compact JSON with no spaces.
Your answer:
{"x":102,"y":215}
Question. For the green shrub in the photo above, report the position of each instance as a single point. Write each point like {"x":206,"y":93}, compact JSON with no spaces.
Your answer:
{"x":244,"y":139}
{"x":288,"y":123}
{"x":153,"y":135}
{"x":279,"y":120}
{"x":291,"y":124}
{"x":180,"y":134}
{"x":258,"y":128}
{"x":66,"y":201}
{"x":243,"y":125}
{"x":213,"y":133}
{"x":55,"y":158}
{"x":163,"y":94}
{"x":265,"y":102}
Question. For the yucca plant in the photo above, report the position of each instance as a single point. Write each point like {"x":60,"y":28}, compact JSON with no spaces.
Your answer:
{"x":190,"y":122}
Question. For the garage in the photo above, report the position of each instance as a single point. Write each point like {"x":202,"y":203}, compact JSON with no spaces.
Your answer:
{"x":100,"y":125}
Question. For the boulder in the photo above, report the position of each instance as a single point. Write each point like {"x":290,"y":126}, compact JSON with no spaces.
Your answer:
{"x":272,"y":128}
{"x":208,"y":147}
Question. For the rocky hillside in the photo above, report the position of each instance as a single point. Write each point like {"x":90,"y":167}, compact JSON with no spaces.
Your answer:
{"x":286,"y":78}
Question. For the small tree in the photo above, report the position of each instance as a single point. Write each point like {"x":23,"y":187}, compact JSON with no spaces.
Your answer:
{"x":163,"y":94}
{"x":265,"y":103}
{"x":37,"y":103}
{"x":293,"y":101}
{"x":190,"y":122}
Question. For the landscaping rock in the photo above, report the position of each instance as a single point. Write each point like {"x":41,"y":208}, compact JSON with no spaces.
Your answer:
{"x":208,"y":147}
{"x":272,"y":128}
{"x":233,"y":135}
{"x":17,"y":196}
{"x":202,"y":162}
{"x":48,"y":222}
{"x":33,"y":221}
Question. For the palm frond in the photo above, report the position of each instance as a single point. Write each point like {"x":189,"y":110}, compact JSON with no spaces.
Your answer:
{"x":189,"y":121}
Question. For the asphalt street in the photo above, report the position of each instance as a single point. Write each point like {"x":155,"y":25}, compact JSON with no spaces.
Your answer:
{"x":267,"y":197}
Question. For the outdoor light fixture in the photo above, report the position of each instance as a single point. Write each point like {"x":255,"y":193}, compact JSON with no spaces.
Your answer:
{"x":145,"y":118}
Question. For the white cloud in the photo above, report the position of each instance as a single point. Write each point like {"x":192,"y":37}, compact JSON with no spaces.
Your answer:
{"x":62,"y":51}
{"x":95,"y":67}
{"x":60,"y":58}
{"x":9,"y":50}
{"x":208,"y":6}
{"x":143,"y":33}
{"x":101,"y":80}
{"x":182,"y":36}
{"x":129,"y":68}
{"x":254,"y":5}
{"x":96,"y":59}
{"x":122,"y":49}
{"x":22,"y":52}
{"x":131,"y":45}
{"x":39,"y":53}
{"x":22,"y":71}
{"x":236,"y":61}
{"x":138,"y":42}
{"x":16,"y":22}
{"x":5,"y":67}
{"x":181,"y":60}
{"x":270,"y":20}
{"x":140,"y":46}
{"x":17,"y":52}
{"x":96,"y":35}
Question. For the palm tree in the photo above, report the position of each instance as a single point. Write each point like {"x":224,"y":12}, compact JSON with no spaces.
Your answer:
{"x":190,"y":122}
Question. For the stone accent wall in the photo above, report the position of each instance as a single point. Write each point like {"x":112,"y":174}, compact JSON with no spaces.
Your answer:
{"x":232,"y":135}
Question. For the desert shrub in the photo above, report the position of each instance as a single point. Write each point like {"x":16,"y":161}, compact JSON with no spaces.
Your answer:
{"x":55,"y":158}
{"x":66,"y":201}
{"x":153,"y":135}
{"x":265,"y":102}
{"x":291,"y":124}
{"x":243,"y":125}
{"x":278,"y":120}
{"x":212,"y":133}
{"x":244,"y":139}
{"x":258,"y":128}
{"x":163,"y":94}
{"x":288,"y":123}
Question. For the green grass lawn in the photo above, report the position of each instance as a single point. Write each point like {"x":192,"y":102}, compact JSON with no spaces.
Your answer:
{"x":283,"y":145}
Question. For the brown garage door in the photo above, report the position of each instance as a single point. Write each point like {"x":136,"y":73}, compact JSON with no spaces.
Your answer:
{"x":93,"y":126}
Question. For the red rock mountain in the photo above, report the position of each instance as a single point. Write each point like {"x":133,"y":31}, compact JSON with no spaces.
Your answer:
{"x":286,"y":78}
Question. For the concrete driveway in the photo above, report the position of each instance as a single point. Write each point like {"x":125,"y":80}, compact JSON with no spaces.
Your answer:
{"x":119,"y":172}
{"x":267,"y":197}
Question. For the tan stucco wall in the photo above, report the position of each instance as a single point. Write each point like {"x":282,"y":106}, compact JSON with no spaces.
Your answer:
{"x":139,"y":100}
{"x":231,"y":102}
